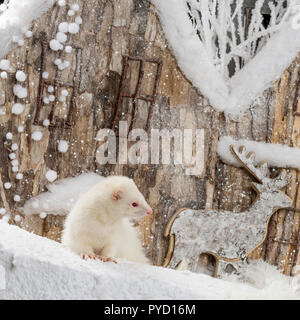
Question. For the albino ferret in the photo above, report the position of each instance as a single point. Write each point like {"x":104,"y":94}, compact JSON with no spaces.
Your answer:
{"x":98,"y":227}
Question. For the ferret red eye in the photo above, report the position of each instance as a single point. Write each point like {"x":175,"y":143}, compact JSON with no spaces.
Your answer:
{"x":134,"y":204}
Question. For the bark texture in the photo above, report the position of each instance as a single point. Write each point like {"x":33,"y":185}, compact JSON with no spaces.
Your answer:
{"x":111,"y":30}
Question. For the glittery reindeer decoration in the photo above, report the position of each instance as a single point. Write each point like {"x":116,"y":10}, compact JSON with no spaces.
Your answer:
{"x":230,"y":237}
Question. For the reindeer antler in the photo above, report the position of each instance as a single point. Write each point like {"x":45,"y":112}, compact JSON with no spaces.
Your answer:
{"x":247,"y":160}
{"x":260,"y":173}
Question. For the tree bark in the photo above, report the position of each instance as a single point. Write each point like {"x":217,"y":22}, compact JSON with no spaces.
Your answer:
{"x":111,"y":30}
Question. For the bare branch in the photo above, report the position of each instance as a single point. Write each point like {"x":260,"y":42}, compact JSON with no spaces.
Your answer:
{"x":226,"y":36}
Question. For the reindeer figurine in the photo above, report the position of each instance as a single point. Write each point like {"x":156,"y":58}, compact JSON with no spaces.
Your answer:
{"x":230,"y":237}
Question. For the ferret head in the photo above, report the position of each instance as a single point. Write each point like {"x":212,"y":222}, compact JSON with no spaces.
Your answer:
{"x":126,"y":198}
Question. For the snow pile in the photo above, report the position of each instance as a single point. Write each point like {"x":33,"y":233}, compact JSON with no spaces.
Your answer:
{"x":193,"y":40}
{"x":276,"y":155}
{"x":39,"y":268}
{"x":16,"y":18}
{"x":62,"y":195}
{"x":267,"y":278}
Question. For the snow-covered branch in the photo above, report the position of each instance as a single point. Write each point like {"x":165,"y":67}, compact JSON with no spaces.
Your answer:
{"x":276,"y":155}
{"x":228,"y":32}
{"x":231,"y":53}
{"x":19,"y":14}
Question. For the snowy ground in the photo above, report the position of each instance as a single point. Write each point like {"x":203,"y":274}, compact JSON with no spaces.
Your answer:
{"x":38,"y":268}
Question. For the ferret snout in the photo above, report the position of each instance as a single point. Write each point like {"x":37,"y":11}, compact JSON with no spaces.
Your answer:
{"x":145,"y":211}
{"x":149,"y":212}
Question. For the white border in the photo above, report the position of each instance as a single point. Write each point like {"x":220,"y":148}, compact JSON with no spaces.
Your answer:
{"x":233,"y":96}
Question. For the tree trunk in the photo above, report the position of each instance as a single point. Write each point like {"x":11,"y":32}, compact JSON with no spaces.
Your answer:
{"x":110,"y":31}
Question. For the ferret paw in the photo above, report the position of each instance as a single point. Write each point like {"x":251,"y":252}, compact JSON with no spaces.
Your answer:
{"x":96,"y":257}
{"x":107,"y":259}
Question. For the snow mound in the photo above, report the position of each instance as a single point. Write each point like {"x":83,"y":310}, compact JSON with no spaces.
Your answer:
{"x":269,"y":280}
{"x":19,"y":15}
{"x":276,"y":155}
{"x":39,"y":268}
{"x":62,"y":195}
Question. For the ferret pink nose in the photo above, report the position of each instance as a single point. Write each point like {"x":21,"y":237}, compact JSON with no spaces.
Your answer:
{"x":149,"y":212}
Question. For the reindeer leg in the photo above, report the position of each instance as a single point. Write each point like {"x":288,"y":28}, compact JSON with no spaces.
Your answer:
{"x":220,"y":268}
{"x":181,"y":262}
{"x":240,"y":265}
{"x":181,"y":266}
{"x":224,"y":268}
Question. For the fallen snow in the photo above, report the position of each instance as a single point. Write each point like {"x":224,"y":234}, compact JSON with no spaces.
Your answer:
{"x":61,"y":3}
{"x":9,"y":136}
{"x":12,"y":156}
{"x":19,"y":15}
{"x":61,"y":37}
{"x":39,"y":268}
{"x":45,"y":75}
{"x":63,"y":146}
{"x":46,"y":123}
{"x":17,"y":108}
{"x":68,"y":49}
{"x":14,"y":147}
{"x":50,"y":89}
{"x":276,"y":155}
{"x":62,"y":195}
{"x":20,"y":91}
{"x":236,"y":94}
{"x":3,"y":7}
{"x":71,"y":13}
{"x":4,"y":64}
{"x":73,"y":28}
{"x":4,"y":75}
{"x":63,"y":27}
{"x":21,"y":76}
{"x":51,"y":175}
{"x":15,"y":162}
{"x":43,"y":215}
{"x":55,"y":45}
{"x":17,"y":218}
{"x":75,"y":7}
{"x":46,"y":100}
{"x":19,"y":176}
{"x":7,"y":185}
{"x":17,"y":198}
{"x":37,"y":135}
{"x":78,"y":20}
{"x":28,"y":34}
{"x":64,"y":93}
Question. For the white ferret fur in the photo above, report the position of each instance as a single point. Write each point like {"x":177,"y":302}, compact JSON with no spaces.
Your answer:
{"x":99,"y":222}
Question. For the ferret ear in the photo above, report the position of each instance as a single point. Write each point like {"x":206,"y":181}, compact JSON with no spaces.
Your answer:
{"x":116,"y":195}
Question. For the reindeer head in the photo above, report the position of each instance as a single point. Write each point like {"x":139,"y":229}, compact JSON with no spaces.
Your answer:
{"x":269,"y":189}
